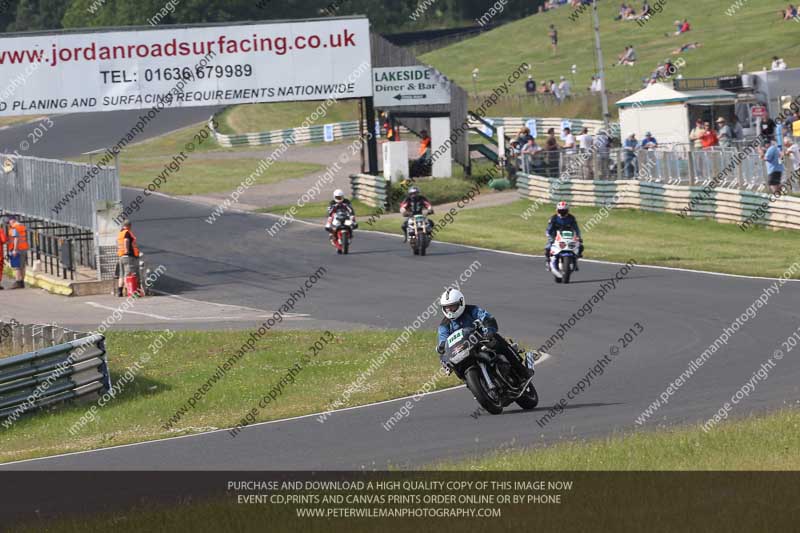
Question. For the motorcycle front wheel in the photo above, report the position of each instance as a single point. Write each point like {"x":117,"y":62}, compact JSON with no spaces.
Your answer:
{"x":345,"y":242}
{"x":566,"y":267}
{"x":529,"y":399}
{"x":480,"y":391}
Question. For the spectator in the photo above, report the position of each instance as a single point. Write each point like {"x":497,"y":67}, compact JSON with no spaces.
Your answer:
{"x":709,"y":137}
{"x":792,"y":149}
{"x":630,"y":145}
{"x":17,"y":250}
{"x":564,"y":88}
{"x":649,"y":142}
{"x":596,"y":86}
{"x":768,"y":130}
{"x":778,"y":63}
{"x":551,"y":153}
{"x":623,"y":10}
{"x":737,"y":133}
{"x":543,"y":88}
{"x":772,"y":156}
{"x":696,"y":134}
{"x":529,"y":155}
{"x":585,"y":140}
{"x":724,"y":133}
{"x":796,"y":124}
{"x":523,"y":137}
{"x":629,"y":58}
{"x":687,"y":46}
{"x":530,"y":85}
{"x":553,"y":38}
{"x":569,"y":140}
{"x":554,"y":90}
{"x":789,"y":13}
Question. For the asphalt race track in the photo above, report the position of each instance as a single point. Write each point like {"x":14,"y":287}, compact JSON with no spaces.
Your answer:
{"x":77,"y":133}
{"x":382,"y":285}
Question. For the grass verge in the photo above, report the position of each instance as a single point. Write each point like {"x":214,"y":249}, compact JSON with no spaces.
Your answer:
{"x":207,"y":169}
{"x":187,"y":361}
{"x":769,"y":442}
{"x":251,"y":118}
{"x":649,"y":238}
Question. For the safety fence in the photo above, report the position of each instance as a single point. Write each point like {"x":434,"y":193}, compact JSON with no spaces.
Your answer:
{"x":698,"y":201}
{"x":372,"y":190}
{"x":676,"y":167}
{"x":62,"y":365}
{"x":56,"y":191}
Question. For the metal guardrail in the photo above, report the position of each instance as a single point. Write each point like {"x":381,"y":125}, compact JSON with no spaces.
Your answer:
{"x":64,"y":365}
{"x":47,"y":189}
{"x":315,"y":133}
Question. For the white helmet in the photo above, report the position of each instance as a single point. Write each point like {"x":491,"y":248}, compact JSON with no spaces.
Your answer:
{"x":452,"y":302}
{"x":338,"y":195}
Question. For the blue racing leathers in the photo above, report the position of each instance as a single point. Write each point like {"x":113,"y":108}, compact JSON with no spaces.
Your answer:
{"x":471,"y":314}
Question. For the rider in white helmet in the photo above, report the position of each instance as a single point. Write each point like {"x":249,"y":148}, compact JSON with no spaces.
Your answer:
{"x":457,"y":315}
{"x":562,"y":220}
{"x":339,"y":203}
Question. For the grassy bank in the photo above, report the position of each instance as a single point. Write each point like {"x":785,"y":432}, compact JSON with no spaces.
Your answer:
{"x":498,"y":52}
{"x":649,"y":238}
{"x":187,"y":361}
{"x":770,"y":442}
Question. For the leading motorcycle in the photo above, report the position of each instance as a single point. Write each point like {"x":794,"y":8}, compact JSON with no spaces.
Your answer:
{"x":342,"y":225}
{"x":489,"y":375}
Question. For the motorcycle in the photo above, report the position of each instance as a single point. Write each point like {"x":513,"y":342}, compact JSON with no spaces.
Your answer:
{"x":342,"y":225}
{"x":489,"y":375}
{"x":564,"y":256}
{"x":418,"y":237}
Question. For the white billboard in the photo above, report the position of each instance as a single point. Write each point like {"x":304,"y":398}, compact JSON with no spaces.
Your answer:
{"x":181,"y":67}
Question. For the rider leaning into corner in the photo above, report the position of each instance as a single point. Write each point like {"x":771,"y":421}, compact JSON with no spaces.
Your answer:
{"x":339,"y":203}
{"x":458,"y":315}
{"x":561,"y":221}
{"x":413,"y":204}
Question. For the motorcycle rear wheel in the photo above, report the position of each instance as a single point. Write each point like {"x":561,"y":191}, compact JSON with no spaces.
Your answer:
{"x":477,"y":387}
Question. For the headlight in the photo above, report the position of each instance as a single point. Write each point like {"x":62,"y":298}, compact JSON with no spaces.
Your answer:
{"x":348,"y":222}
{"x":459,"y":356}
{"x":562,"y":245}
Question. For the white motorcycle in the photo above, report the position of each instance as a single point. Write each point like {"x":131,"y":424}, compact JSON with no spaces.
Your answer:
{"x":564,"y":256}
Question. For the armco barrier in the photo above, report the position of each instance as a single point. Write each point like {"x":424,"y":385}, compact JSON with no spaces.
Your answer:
{"x":316,"y":133}
{"x":344,"y":130}
{"x":727,"y":205}
{"x":369,"y":189}
{"x":63,"y":365}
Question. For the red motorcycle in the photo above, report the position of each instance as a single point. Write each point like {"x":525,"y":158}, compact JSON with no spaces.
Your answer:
{"x":342,"y":226}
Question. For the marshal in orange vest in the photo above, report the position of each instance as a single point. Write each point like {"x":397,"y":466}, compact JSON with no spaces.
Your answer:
{"x":121,"y":242}
{"x":21,"y":233}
